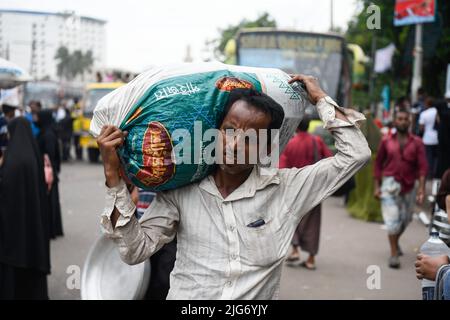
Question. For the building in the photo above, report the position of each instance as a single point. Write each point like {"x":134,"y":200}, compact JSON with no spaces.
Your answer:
{"x":32,"y":38}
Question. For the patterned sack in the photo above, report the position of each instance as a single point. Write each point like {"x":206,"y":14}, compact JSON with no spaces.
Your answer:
{"x":162,"y":100}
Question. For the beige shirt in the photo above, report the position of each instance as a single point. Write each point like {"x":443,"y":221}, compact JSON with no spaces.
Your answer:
{"x":218,"y":255}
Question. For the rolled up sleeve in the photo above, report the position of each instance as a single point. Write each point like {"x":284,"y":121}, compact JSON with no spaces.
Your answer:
{"x":120,"y":198}
{"x":137,"y":239}
{"x":310,"y":185}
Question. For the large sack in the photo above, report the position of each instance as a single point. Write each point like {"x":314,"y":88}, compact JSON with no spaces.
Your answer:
{"x":161,"y":100}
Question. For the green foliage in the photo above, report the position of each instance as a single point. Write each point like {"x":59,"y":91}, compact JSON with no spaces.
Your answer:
{"x":263,"y":21}
{"x":434,"y":66}
{"x":71,"y":65}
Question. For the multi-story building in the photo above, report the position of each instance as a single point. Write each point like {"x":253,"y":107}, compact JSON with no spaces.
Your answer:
{"x":32,"y":38}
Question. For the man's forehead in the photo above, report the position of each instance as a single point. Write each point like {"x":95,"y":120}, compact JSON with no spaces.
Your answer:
{"x":402,"y":114}
{"x":243,"y":111}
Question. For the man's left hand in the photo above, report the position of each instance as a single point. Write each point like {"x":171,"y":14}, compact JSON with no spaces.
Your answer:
{"x":315,"y":92}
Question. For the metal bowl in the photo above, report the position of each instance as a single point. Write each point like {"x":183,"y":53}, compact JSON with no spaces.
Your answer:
{"x":106,"y":277}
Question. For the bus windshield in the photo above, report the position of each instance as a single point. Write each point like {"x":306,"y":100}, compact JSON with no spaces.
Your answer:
{"x":46,"y":92}
{"x":319,"y":55}
{"x":92,"y":98}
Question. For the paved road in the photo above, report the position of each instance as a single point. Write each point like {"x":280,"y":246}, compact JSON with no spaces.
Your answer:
{"x":348,"y":247}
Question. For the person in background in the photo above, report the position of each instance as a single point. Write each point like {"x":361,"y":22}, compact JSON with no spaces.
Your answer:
{"x":24,"y":226}
{"x":77,"y":117}
{"x":302,"y":150}
{"x":65,"y":126}
{"x":427,"y":125}
{"x":34,"y":107}
{"x":98,"y":77}
{"x":8,"y":113}
{"x":402,"y":103}
{"x":48,"y":144}
{"x":416,"y":110}
{"x":163,"y":261}
{"x":400,"y":161}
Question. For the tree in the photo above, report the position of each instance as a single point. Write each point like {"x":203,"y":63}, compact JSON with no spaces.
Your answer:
{"x":263,"y":21}
{"x":62,"y":54}
{"x":71,"y":65}
{"x":436,"y":58}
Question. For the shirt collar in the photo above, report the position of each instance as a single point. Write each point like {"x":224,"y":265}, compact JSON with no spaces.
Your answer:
{"x":394,"y":136}
{"x":258,"y":179}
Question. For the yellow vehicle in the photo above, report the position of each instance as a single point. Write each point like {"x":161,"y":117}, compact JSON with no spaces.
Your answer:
{"x":94,"y":92}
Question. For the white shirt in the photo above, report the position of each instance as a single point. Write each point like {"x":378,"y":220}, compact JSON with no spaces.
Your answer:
{"x":218,"y":255}
{"x":428,"y":118}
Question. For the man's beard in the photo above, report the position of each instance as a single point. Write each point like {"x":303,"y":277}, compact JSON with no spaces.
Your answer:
{"x":402,"y":130}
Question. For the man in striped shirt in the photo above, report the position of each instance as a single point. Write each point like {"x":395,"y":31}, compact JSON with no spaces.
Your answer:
{"x":234,"y":227}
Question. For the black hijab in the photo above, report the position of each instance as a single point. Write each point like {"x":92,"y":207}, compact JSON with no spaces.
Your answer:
{"x":24,"y":235}
{"x":48,"y":140}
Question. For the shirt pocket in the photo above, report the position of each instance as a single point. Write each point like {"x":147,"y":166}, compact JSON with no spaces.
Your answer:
{"x":260,"y":244}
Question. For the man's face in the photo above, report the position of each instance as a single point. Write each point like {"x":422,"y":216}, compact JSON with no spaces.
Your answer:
{"x":402,"y":122}
{"x":34,"y":107}
{"x":242,"y":117}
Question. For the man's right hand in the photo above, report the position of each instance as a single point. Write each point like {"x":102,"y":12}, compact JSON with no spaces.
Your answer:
{"x":108,"y":141}
{"x":377,"y":189}
{"x":377,"y":193}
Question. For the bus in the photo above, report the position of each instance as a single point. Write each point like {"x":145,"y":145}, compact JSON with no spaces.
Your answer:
{"x":93,"y":93}
{"x":50,"y":93}
{"x":323,"y":55}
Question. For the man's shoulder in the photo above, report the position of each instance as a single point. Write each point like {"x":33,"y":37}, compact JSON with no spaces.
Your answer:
{"x":385,"y":139}
{"x":416,"y":139}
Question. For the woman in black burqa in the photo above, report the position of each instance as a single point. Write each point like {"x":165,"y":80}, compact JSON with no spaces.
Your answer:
{"x":48,"y":144}
{"x":24,"y":225}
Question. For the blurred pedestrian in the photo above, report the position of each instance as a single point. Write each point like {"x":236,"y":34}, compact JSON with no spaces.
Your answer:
{"x":33,"y":108}
{"x":416,"y":110}
{"x":400,"y":161}
{"x":48,"y":144}
{"x":8,"y":113}
{"x":428,"y":125}
{"x":24,"y":227}
{"x":77,"y":117}
{"x":302,"y":150}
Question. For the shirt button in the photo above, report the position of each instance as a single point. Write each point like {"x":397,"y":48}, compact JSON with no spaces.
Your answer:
{"x":228,"y":283}
{"x":232,"y":228}
{"x":233,"y":256}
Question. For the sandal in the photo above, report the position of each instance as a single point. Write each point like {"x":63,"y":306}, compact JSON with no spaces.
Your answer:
{"x":308,"y":266}
{"x":293,"y":258}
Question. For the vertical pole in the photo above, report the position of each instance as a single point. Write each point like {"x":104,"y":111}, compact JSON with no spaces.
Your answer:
{"x":331,"y":16}
{"x":372,"y":75}
{"x":417,"y":67}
